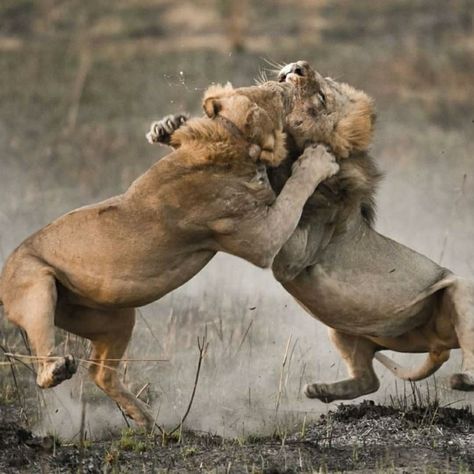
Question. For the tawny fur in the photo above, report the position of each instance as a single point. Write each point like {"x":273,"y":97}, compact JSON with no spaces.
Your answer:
{"x":371,"y":291}
{"x":89,"y":269}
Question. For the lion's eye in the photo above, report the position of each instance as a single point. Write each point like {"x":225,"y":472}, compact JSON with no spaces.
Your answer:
{"x":322,"y":98}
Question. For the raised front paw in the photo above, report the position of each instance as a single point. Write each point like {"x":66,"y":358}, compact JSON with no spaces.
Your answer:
{"x":161,"y":131}
{"x":317,"y":160}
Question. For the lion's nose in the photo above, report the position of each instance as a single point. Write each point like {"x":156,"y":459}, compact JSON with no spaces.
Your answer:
{"x":298,"y":70}
{"x":292,"y":68}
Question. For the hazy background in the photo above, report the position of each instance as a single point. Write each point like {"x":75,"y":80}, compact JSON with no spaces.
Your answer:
{"x":80,"y":81}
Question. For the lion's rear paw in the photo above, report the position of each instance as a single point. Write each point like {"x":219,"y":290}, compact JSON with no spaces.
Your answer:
{"x":161,"y":131}
{"x":53,"y":373}
{"x":319,"y":391}
{"x":464,"y":382}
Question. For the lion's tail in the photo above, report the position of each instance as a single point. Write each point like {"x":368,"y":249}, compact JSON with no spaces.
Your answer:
{"x":430,"y":365}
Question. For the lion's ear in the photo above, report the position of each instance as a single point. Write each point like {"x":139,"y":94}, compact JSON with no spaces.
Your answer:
{"x":212,"y":106}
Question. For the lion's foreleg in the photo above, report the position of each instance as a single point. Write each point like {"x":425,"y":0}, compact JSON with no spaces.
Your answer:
{"x":358,"y":354}
{"x":260,"y":235}
{"x":290,"y":260}
{"x":302,"y":249}
{"x":459,"y":301}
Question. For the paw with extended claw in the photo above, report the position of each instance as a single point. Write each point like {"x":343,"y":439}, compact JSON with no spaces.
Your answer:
{"x":161,"y":131}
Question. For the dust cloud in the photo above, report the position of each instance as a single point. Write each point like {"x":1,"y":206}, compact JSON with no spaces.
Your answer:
{"x":252,"y":323}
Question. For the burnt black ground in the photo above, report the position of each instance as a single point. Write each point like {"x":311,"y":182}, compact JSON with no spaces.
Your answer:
{"x":363,"y":437}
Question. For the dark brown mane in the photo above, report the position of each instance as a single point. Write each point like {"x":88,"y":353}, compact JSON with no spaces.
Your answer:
{"x":354,"y":185}
{"x":357,"y":181}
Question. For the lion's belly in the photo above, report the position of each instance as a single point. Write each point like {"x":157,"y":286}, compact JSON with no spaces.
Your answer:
{"x":134,"y":286}
{"x":358,"y":303}
{"x":105,"y":255}
{"x":362,"y":280}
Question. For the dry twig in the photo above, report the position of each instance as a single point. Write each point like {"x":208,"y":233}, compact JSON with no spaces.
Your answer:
{"x":282,"y":373}
{"x":202,"y":346}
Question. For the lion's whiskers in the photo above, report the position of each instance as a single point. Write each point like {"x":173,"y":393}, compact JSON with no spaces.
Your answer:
{"x":275,"y":67}
{"x":262,"y":77}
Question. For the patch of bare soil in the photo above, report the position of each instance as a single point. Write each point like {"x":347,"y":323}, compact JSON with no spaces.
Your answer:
{"x":365,"y":437}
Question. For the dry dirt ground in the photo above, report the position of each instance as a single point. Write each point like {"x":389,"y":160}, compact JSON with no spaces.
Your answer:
{"x":363,"y":438}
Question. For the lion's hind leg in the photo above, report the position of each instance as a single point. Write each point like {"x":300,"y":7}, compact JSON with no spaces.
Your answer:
{"x":458,"y":300}
{"x":29,"y":296}
{"x":358,"y":353}
{"x":109,"y":332}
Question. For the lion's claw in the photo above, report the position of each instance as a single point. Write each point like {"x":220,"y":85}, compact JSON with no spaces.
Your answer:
{"x":161,"y":131}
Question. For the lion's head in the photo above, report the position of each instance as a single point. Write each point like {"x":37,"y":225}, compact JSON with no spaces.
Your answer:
{"x":328,"y":112}
{"x":247,"y":120}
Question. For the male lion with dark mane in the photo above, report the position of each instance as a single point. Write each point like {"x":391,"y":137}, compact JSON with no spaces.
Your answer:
{"x":372,"y":292}
{"x":87,"y":271}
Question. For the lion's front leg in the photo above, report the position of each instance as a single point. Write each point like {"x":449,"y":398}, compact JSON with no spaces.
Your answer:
{"x":259,"y":235}
{"x":358,"y":353}
{"x":290,"y":260}
{"x":161,"y":131}
{"x":302,"y":248}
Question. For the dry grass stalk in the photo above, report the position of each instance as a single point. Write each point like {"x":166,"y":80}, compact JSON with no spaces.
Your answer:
{"x":282,"y":373}
{"x":15,"y":381}
{"x":244,"y":336}
{"x":142,"y":389}
{"x":165,"y":435}
{"x":202,"y":347}
{"x":85,"y":63}
{"x":82,"y":430}
{"x":97,"y":362}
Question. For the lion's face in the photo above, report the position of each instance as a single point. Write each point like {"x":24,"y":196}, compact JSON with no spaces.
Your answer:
{"x":254,"y":124}
{"x":327,"y":112}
